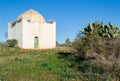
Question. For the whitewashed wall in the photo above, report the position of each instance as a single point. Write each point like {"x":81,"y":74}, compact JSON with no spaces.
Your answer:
{"x":46,"y":33}
{"x":25,"y":32}
{"x":15,"y":32}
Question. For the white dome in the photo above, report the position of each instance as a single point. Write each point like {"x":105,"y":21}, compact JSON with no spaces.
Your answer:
{"x":32,"y":16}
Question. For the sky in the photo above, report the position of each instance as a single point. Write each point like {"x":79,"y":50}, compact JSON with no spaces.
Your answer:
{"x":71,"y":16}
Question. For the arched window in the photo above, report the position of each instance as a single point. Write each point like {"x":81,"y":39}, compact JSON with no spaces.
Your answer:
{"x":36,"y":42}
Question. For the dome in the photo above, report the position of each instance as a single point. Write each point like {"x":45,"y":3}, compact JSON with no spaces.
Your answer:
{"x":32,"y":16}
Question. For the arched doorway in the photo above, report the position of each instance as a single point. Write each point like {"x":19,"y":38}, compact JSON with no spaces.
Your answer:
{"x":36,"y":42}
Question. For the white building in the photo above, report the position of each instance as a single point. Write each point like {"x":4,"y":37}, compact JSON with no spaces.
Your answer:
{"x":32,"y":31}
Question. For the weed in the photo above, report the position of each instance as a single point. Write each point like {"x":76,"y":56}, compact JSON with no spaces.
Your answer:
{"x":22,"y":60}
{"x":4,"y":77}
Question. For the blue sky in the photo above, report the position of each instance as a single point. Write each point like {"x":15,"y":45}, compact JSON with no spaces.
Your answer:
{"x":71,"y":15}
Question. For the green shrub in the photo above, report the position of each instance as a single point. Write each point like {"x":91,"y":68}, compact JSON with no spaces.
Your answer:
{"x":12,"y":42}
{"x":22,"y":60}
{"x":4,"y":78}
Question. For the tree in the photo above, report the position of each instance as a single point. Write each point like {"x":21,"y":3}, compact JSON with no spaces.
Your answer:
{"x":57,"y":43}
{"x":67,"y":42}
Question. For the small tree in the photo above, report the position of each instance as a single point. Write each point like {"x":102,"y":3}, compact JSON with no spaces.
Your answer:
{"x":12,"y":42}
{"x":57,"y":44}
{"x":67,"y":42}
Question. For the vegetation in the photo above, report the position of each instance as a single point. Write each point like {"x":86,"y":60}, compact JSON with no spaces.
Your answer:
{"x":67,"y":42}
{"x":93,"y":56}
{"x":59,"y":64}
{"x":12,"y":42}
{"x":105,"y":31}
{"x":36,"y":65}
{"x":96,"y":35}
{"x":99,"y":46}
{"x":57,"y":43}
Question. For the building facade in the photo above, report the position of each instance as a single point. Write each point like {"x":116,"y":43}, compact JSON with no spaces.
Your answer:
{"x":32,"y":31}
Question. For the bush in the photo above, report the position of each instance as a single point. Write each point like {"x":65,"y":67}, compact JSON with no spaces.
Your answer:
{"x":12,"y":43}
{"x":99,"y":44}
{"x":97,"y":38}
